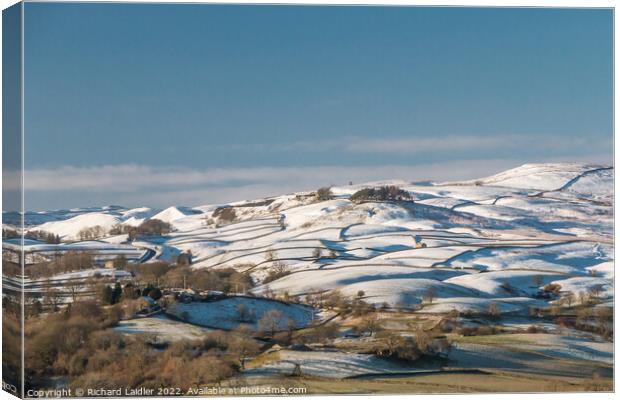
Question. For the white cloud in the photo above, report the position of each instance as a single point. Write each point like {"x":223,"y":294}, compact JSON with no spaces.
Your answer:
{"x":424,"y":145}
{"x":134,"y":185}
{"x":137,"y":185}
{"x":452,"y":144}
{"x":121,"y":178}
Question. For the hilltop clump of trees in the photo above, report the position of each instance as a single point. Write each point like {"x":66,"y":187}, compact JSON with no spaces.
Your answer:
{"x":221,"y":216}
{"x":324,"y":194}
{"x":151,"y":227}
{"x":225,"y":214}
{"x":383,"y":193}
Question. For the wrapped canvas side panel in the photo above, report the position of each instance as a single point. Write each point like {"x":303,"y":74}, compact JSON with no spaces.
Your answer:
{"x":12,"y":203}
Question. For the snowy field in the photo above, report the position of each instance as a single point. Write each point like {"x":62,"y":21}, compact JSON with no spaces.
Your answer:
{"x":225,"y":314}
{"x":161,"y":329}
{"x":545,"y":354}
{"x":334,"y":364}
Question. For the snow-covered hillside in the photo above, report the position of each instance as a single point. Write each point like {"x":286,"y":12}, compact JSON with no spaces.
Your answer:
{"x":500,"y":238}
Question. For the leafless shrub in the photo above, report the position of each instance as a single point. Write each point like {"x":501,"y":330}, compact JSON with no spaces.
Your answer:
{"x":324,"y":193}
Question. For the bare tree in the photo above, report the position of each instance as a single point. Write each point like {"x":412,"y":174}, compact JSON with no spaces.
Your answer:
{"x":423,"y":340}
{"x":51,"y":297}
{"x":429,"y":295}
{"x":277,"y":271}
{"x":74,"y":288}
{"x":333,"y":299}
{"x":605,"y":320}
{"x":92,"y":232}
{"x":453,"y":319}
{"x":243,"y":313}
{"x":316,"y":253}
{"x":595,"y":291}
{"x":583,"y":298}
{"x":569,"y":298}
{"x":584,"y":315}
{"x":271,"y":255}
{"x":389,"y":342}
{"x":270,"y":322}
{"x":243,"y":347}
{"x":494,"y":311}
{"x":324,"y":193}
{"x":370,"y":324}
{"x":296,"y":369}
{"x":290,"y":329}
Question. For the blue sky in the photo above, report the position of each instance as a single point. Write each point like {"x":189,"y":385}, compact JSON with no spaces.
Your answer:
{"x":193,"y":104}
